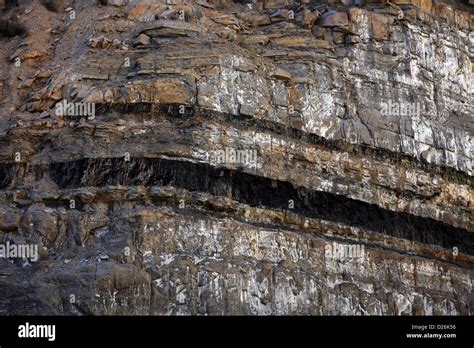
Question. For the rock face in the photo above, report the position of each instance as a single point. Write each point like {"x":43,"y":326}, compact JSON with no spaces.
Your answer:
{"x":238,"y":157}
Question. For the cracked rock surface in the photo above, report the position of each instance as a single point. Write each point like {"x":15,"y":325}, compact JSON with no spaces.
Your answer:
{"x":230,"y":149}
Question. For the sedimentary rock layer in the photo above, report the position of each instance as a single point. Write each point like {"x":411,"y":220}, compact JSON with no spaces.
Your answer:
{"x":234,"y":148}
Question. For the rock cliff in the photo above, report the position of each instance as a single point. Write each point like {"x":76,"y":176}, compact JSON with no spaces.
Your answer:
{"x":237,"y":157}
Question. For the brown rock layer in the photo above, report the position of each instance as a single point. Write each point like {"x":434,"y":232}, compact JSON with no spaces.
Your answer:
{"x":238,"y":157}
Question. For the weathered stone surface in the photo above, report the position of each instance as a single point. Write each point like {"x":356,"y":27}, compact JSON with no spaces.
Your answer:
{"x":143,"y":39}
{"x":334,"y":19}
{"x":143,"y":207}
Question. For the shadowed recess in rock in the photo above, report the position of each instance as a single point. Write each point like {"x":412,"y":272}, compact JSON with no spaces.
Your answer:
{"x":257,"y":191}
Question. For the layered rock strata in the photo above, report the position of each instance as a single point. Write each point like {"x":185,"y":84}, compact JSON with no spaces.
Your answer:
{"x":238,"y":157}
